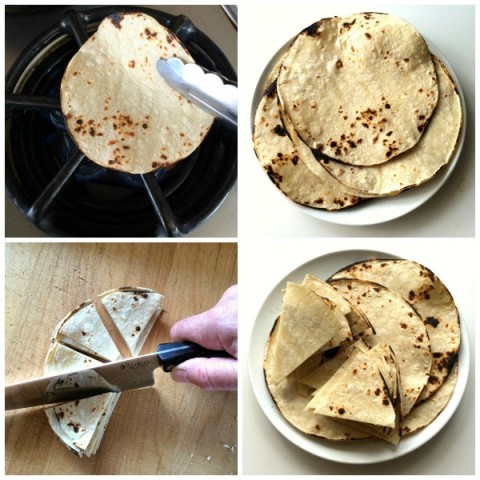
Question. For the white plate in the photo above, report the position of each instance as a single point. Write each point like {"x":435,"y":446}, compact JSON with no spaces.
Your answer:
{"x":382,"y":209}
{"x":359,"y":451}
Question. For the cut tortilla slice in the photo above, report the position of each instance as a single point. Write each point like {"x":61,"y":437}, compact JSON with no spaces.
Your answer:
{"x":397,"y":324}
{"x":134,"y":311}
{"x":83,"y":330}
{"x":430,"y":298}
{"x":317,"y":377}
{"x":356,"y":392}
{"x":359,"y":324}
{"x":292,"y":404}
{"x":307,"y":324}
{"x":80,"y":424}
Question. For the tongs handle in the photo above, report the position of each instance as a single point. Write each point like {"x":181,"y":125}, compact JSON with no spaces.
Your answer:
{"x":174,"y":353}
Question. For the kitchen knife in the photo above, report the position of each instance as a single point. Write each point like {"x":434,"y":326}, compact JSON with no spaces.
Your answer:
{"x":208,"y":90}
{"x":118,"y":376}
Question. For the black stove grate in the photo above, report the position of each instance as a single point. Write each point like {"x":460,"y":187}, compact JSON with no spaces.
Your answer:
{"x":65,"y":194}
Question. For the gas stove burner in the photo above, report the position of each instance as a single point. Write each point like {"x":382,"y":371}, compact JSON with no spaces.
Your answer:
{"x":65,"y":194}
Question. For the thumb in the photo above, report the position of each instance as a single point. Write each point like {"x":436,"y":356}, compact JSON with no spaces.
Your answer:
{"x":208,"y":373}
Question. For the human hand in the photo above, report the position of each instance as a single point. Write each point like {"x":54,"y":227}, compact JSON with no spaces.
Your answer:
{"x":215,"y":329}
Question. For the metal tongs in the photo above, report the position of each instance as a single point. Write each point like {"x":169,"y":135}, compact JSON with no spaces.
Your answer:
{"x":208,"y":90}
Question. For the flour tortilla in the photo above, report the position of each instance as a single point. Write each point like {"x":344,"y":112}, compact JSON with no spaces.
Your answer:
{"x":397,"y":324}
{"x":360,"y":89}
{"x":422,"y":289}
{"x":283,"y":163}
{"x":356,"y":392}
{"x":83,"y":330}
{"x":134,"y":311}
{"x":308,"y":323}
{"x":80,"y":424}
{"x":118,"y":109}
{"x":421,"y":162}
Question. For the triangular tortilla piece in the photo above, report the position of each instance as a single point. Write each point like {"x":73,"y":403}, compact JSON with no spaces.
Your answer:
{"x":83,"y":330}
{"x":307,"y":323}
{"x":292,"y":405}
{"x":134,"y":311}
{"x":396,"y":324}
{"x":430,"y":298}
{"x":317,"y":377}
{"x":359,"y":324}
{"x":356,"y":392}
{"x":80,"y":424}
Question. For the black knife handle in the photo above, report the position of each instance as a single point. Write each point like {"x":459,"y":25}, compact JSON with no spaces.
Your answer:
{"x":174,"y":353}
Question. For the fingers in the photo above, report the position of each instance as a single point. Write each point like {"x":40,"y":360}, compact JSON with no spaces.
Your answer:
{"x":208,"y":373}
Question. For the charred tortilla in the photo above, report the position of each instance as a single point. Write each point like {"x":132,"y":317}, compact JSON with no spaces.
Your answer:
{"x":420,"y":163}
{"x":284,"y":164}
{"x":118,"y":109}
{"x":422,"y":289}
{"x":80,"y":341}
{"x":134,"y":311}
{"x":360,"y":89}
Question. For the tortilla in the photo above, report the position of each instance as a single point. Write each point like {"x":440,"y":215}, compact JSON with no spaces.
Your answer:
{"x":360,"y":89}
{"x":284,"y":165}
{"x":308,"y":323}
{"x":425,"y":412}
{"x":80,"y":424}
{"x":421,"y":162}
{"x":118,"y":109}
{"x":83,"y":330}
{"x":134,"y":311}
{"x":422,"y":289}
{"x":359,"y":324}
{"x":292,"y":405}
{"x":356,"y":392}
{"x":397,"y":324}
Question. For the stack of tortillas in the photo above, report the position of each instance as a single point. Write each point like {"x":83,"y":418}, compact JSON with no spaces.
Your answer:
{"x":371,"y":352}
{"x":356,"y":108}
{"x":82,"y":339}
{"x":119,"y":110}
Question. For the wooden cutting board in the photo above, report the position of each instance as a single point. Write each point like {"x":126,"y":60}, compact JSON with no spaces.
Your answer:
{"x":170,"y":429}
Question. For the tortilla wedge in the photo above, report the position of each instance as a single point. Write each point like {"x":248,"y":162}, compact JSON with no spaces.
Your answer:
{"x":292,"y":405}
{"x":134,"y":311}
{"x":397,"y":324}
{"x":359,"y":324}
{"x":80,"y":424}
{"x":422,"y":289}
{"x":356,"y":384}
{"x":83,"y":330}
{"x":307,"y":324}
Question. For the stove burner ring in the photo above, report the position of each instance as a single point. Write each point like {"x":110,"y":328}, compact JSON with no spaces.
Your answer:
{"x":65,"y":194}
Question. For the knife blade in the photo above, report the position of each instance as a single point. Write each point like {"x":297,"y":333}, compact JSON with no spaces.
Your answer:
{"x":208,"y":90}
{"x":118,"y":376}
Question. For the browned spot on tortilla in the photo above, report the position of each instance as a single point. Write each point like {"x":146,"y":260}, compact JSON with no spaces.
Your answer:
{"x":116,"y":20}
{"x":131,"y":63}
